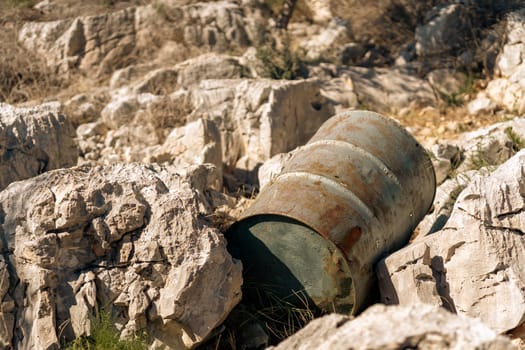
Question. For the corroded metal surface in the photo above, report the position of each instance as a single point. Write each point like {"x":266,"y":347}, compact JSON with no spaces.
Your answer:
{"x":362,"y":182}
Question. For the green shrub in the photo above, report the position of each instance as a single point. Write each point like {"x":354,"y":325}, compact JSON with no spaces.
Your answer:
{"x":517,"y":142}
{"x":477,"y":159}
{"x":104,"y":336}
{"x":280,"y":63}
{"x":20,"y":3}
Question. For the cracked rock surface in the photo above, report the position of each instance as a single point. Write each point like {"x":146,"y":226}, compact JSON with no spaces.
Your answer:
{"x":107,"y":41}
{"x":129,"y":238}
{"x":416,"y":327}
{"x":474,"y":265}
{"x":34,"y":140}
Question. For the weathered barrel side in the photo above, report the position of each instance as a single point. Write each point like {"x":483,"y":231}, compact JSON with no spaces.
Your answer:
{"x":362,"y":183}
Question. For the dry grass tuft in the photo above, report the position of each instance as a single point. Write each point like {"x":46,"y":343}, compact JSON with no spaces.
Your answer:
{"x":384,"y":23}
{"x":23,"y":75}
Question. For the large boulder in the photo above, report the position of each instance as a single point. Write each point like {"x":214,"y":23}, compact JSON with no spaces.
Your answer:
{"x":508,"y":90}
{"x":444,"y":30}
{"x":508,"y":95}
{"x":459,"y":160}
{"x":107,"y":41}
{"x":474,"y":265}
{"x":86,"y":42}
{"x":388,"y":90}
{"x":190,"y":72}
{"x":196,"y":143}
{"x":129,"y":239}
{"x":326,"y":42}
{"x":34,"y":140}
{"x":396,"y":327}
{"x":511,"y":61}
{"x":260,"y":118}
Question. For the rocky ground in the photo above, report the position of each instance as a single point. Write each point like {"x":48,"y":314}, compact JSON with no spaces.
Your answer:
{"x":133,"y":133}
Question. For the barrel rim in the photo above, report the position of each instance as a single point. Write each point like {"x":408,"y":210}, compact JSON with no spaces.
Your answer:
{"x":353,"y":292}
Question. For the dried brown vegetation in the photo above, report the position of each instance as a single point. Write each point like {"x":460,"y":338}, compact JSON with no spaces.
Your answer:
{"x":23,"y":75}
{"x":385,"y":23}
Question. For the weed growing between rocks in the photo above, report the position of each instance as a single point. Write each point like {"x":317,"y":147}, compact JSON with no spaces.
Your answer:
{"x":104,"y":336}
{"x":280,"y":61}
{"x":478,"y":159}
{"x":301,"y":10}
{"x":453,"y":196}
{"x":517,"y":142}
{"x":467,"y":89}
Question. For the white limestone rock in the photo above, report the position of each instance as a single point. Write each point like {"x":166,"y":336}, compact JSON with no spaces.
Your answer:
{"x":340,"y":92}
{"x":443,"y":31}
{"x":85,"y":108}
{"x":481,"y":104}
{"x":511,"y":61}
{"x":442,"y":169}
{"x":474,"y":265}
{"x":492,"y":145}
{"x":119,"y":112}
{"x":260,"y":118}
{"x":386,"y":90}
{"x":196,"y":143}
{"x":270,"y":169}
{"x":508,"y":90}
{"x":34,"y":140}
{"x":105,"y":42}
{"x":508,"y":95}
{"x":130,"y":238}
{"x":396,"y":327}
{"x":336,"y":33}
{"x":321,"y":10}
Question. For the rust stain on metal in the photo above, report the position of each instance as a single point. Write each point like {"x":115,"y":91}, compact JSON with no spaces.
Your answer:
{"x":362,"y":182}
{"x":333,"y":214}
{"x":350,"y":239}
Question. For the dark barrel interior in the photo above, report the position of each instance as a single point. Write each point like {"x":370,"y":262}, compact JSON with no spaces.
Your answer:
{"x":285,"y":259}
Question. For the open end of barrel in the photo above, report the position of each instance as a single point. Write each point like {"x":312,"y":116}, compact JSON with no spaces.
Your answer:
{"x":283,"y":258}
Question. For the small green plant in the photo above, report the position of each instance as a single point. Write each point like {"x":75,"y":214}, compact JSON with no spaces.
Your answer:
{"x":477,"y":159}
{"x":301,"y":10}
{"x":453,"y":196}
{"x":279,"y":63}
{"x":452,"y":100}
{"x":104,"y":336}
{"x":517,"y":142}
{"x":456,"y":99}
{"x":364,"y":106}
{"x":430,"y":154}
{"x":20,"y":3}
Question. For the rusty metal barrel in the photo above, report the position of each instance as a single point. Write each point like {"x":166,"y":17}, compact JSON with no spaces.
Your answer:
{"x":350,"y":196}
